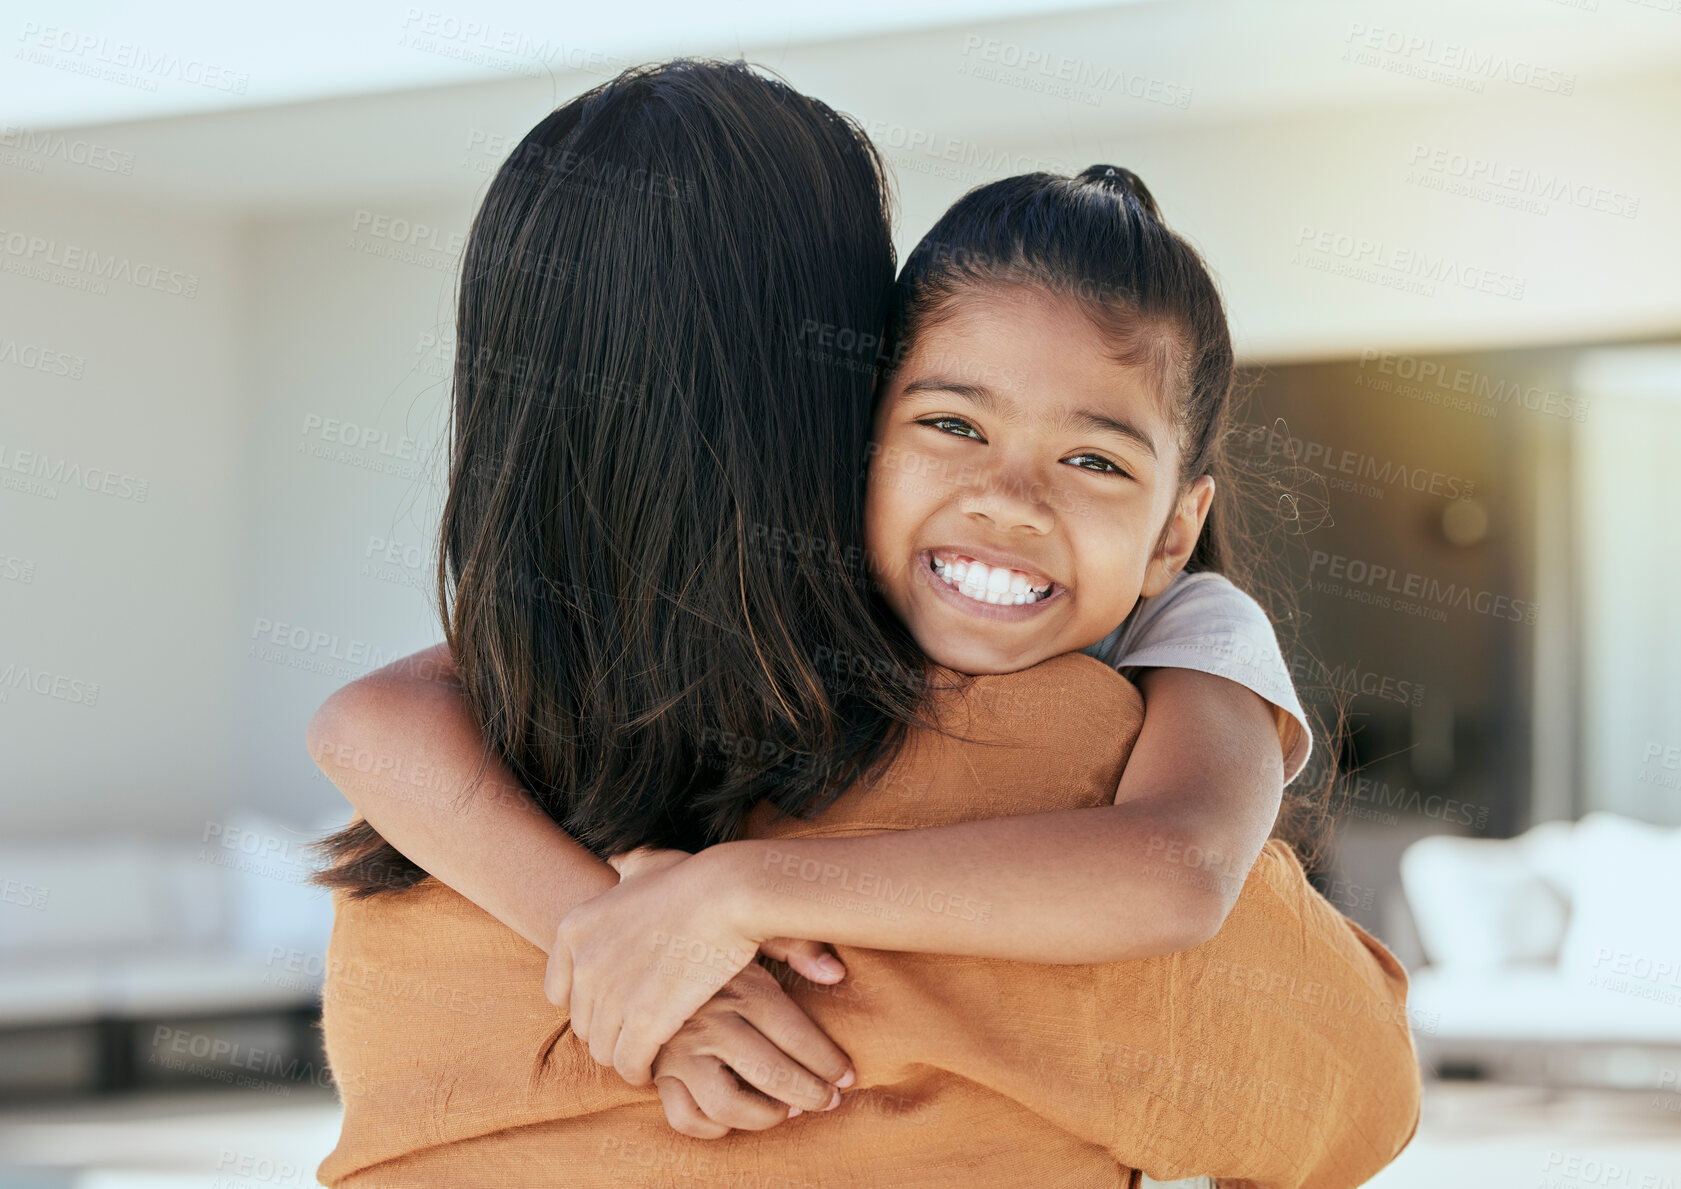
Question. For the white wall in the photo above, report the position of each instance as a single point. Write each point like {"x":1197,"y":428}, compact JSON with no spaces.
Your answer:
{"x":130,"y":586}
{"x":1243,"y":190}
{"x":240,"y":569}
{"x":1630,"y":494}
{"x":343,"y":473}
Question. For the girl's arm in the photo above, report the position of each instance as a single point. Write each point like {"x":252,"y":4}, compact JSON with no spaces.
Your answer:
{"x":1154,"y":873}
{"x":401,"y":747}
{"x":1088,"y":885}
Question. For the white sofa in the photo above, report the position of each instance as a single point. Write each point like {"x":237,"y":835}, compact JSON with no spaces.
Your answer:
{"x":1553,"y":956}
{"x":116,"y":929}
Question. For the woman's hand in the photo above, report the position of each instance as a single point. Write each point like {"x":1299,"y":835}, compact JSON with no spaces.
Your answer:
{"x":633,"y":964}
{"x":750,"y":1029}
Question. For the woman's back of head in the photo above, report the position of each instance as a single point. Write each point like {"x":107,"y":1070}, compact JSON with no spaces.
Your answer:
{"x":648,"y":572}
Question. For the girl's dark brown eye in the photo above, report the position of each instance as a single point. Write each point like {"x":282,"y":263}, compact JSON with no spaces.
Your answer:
{"x":1106,"y":467}
{"x":943,"y":423}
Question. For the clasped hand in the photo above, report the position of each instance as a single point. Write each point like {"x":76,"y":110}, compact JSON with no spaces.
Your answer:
{"x":660,"y":980}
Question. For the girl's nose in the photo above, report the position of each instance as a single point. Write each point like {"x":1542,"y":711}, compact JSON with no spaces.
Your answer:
{"x":1011,"y":499}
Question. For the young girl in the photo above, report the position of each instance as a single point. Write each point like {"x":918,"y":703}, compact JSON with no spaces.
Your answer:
{"x":1051,"y":430}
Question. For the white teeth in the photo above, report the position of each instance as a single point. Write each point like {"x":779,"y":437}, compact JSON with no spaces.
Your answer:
{"x":998,"y":585}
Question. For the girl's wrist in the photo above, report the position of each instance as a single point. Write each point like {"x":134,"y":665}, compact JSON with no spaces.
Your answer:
{"x":732,"y":879}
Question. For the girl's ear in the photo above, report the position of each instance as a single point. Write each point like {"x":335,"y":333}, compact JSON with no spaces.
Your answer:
{"x":1179,"y":538}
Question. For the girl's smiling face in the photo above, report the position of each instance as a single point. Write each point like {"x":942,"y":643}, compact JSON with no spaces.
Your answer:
{"x":1024,"y":486}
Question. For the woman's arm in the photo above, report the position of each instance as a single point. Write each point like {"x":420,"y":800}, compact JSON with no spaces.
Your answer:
{"x":492,"y":845}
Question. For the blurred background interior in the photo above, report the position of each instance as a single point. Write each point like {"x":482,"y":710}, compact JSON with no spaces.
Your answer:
{"x":1450,"y":237}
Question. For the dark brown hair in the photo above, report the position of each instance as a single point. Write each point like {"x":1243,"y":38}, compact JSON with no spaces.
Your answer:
{"x":639,"y":425}
{"x":1100,"y":239}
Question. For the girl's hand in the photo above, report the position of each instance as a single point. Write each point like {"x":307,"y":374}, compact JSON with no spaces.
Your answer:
{"x":815,"y":960}
{"x":752,"y":1028}
{"x":633,"y":964}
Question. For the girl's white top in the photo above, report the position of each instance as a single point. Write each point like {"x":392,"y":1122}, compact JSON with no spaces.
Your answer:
{"x":1203,"y":622}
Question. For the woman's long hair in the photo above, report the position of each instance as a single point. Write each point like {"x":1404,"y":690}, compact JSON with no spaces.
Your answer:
{"x":649,"y":573}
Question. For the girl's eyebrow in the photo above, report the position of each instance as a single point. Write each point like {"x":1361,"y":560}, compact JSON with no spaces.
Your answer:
{"x":979,"y":394}
{"x":1104,"y":423}
{"x":990,"y":401}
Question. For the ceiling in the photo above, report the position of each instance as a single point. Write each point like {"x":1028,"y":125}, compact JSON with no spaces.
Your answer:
{"x":347,"y":103}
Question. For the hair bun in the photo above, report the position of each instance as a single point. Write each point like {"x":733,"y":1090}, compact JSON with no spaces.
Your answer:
{"x":1121,"y":181}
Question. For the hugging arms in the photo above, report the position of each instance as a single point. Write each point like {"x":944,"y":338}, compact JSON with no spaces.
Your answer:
{"x":1072,"y":887}
{"x":1277,"y":1051}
